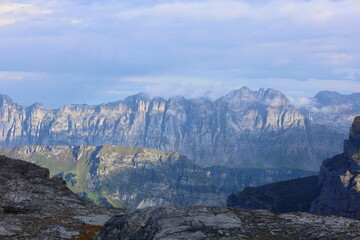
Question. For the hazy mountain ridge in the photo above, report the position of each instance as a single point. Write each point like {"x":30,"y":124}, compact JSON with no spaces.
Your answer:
{"x":135,"y":177}
{"x":333,"y":109}
{"x":242,"y":129}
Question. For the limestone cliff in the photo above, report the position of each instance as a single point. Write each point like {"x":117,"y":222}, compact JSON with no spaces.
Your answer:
{"x":242,"y":129}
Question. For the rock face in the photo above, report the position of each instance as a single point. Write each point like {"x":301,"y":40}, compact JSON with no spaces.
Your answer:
{"x":242,"y":129}
{"x":225,"y":223}
{"x":33,"y":206}
{"x":340,"y":177}
{"x":132,"y":177}
{"x":335,"y":192}
{"x":287,"y":196}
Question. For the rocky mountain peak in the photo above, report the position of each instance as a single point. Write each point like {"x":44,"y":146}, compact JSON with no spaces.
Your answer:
{"x":269,"y":97}
{"x":5,"y":100}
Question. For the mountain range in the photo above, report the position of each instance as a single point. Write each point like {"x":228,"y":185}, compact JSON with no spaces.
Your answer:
{"x":245,"y":128}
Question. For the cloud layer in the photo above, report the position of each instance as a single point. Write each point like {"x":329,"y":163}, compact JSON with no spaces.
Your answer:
{"x":94,"y":51}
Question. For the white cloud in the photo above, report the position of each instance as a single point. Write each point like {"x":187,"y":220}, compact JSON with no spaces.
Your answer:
{"x":72,"y":20}
{"x":336,"y":58}
{"x":11,"y":13}
{"x":169,"y":86}
{"x":138,"y":79}
{"x":309,"y":12}
{"x":8,"y":76}
{"x":7,"y":21}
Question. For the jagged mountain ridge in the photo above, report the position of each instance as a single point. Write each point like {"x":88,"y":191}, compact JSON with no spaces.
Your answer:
{"x":135,"y":177}
{"x":242,"y":129}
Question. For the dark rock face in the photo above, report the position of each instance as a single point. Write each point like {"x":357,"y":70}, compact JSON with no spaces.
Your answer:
{"x":235,"y":179}
{"x":225,"y":223}
{"x":32,"y":206}
{"x":340,"y":177}
{"x":336,"y":192}
{"x":242,"y":129}
{"x":287,"y":196}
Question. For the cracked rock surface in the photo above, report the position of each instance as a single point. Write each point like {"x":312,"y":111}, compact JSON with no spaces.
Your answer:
{"x":201,"y":222}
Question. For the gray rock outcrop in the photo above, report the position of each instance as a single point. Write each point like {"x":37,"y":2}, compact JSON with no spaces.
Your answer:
{"x":225,"y":223}
{"x":33,"y":206}
{"x":242,"y":129}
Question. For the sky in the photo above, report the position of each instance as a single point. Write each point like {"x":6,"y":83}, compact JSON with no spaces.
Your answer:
{"x":91,"y":51}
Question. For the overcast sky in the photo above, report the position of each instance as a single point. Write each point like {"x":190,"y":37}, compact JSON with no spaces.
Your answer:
{"x":91,"y":51}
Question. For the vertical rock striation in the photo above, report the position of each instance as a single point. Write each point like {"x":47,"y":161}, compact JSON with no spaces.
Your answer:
{"x":243,"y":129}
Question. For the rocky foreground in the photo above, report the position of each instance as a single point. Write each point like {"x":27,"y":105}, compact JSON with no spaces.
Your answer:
{"x":226,"y":223}
{"x":33,"y":206}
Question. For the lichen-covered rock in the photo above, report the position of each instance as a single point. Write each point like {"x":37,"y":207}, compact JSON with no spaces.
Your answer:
{"x":242,"y":129}
{"x":225,"y":223}
{"x":33,"y":206}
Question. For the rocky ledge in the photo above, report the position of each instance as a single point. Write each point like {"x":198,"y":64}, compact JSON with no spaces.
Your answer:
{"x":225,"y":223}
{"x":33,"y":206}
